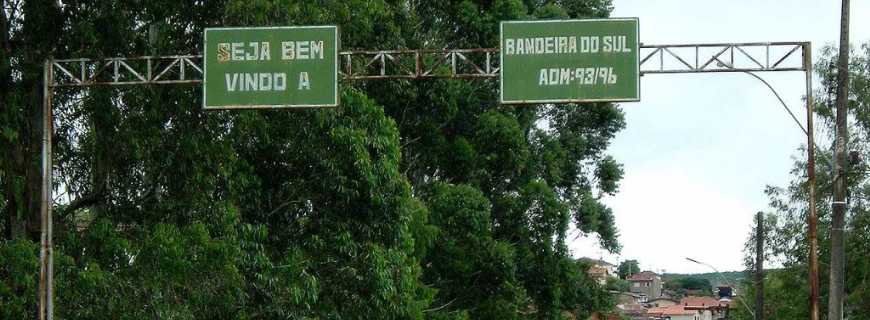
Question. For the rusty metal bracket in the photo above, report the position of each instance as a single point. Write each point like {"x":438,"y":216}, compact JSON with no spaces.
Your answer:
{"x":440,"y":63}
{"x":739,"y":57}
{"x":479,"y":63}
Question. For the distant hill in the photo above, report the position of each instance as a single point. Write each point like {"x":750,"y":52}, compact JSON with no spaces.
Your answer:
{"x":716,"y":279}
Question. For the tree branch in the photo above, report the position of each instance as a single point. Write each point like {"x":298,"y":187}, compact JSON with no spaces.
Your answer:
{"x":82,"y":202}
{"x":441,"y":307}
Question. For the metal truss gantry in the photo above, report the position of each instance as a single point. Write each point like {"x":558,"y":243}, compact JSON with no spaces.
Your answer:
{"x":445,"y":63}
{"x":481,"y":63}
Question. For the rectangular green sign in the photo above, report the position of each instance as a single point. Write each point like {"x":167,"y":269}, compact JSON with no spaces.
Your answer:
{"x":560,"y":61}
{"x":270,"y":67}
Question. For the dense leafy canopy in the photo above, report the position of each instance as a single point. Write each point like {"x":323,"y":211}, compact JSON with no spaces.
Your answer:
{"x":786,"y":289}
{"x":414,"y":199}
{"x":627,"y":268}
{"x":683,"y":285}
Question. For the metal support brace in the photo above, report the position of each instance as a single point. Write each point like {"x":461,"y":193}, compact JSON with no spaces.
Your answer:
{"x":480,"y":63}
{"x":444,"y":63}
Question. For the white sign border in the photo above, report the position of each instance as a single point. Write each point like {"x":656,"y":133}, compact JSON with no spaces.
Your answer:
{"x":542,"y":101}
{"x":335,"y":94}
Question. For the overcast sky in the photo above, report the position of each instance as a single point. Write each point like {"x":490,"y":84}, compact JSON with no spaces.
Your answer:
{"x":699,"y":149}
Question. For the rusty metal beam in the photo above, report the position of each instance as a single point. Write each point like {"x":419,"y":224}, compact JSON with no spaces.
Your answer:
{"x":737,"y":57}
{"x":441,"y":63}
{"x":479,"y":63}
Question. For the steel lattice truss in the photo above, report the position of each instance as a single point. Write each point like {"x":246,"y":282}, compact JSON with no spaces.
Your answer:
{"x":447,"y":63}
{"x":723,"y":57}
{"x":126,"y":71}
{"x":415,"y":64}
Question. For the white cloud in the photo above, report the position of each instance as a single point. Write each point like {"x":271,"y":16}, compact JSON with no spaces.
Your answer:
{"x":699,"y":149}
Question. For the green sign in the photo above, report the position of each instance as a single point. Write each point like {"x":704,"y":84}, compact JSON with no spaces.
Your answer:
{"x":570,"y":61}
{"x":270,"y":67}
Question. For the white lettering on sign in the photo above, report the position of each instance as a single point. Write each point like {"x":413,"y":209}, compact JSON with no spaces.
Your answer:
{"x":616,"y":44}
{"x":240,"y":51}
{"x":304,"y":82}
{"x":577,"y":76}
{"x":261,"y":51}
{"x":256,"y":81}
{"x":589,"y":44}
{"x":237,"y":52}
{"x":561,"y":45}
{"x":301,"y":50}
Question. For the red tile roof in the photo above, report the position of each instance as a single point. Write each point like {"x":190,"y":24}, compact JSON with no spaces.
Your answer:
{"x":643,"y":276}
{"x":669,"y":311}
{"x":693,"y":301}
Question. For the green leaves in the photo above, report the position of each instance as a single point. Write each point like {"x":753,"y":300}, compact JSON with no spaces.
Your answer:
{"x":785,"y":228}
{"x":18,"y":274}
{"x":474,"y":272}
{"x":627,"y":268}
{"x":412,"y":200}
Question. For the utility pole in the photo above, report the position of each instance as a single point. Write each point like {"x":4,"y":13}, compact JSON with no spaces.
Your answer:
{"x":759,"y":266}
{"x":812,"y":216}
{"x":425,"y":64}
{"x":838,"y":259}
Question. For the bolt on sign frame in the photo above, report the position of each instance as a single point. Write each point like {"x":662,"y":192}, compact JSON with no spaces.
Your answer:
{"x":477,"y":63}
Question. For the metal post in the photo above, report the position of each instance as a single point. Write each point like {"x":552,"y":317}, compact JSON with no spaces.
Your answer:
{"x":838,"y":214}
{"x":46,"y":268}
{"x":99,"y":76}
{"x":812,"y":218}
{"x":759,"y":266}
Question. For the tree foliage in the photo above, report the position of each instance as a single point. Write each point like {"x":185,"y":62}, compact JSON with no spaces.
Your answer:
{"x":627,"y":268}
{"x":682,"y":286}
{"x":412,"y":200}
{"x":785,"y":237}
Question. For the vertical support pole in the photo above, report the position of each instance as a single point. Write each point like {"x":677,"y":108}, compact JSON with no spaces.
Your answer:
{"x":812,"y":218}
{"x":181,"y":68}
{"x":348,"y":63}
{"x":836,"y":285}
{"x":418,"y":64}
{"x":759,"y":266}
{"x":487,"y":63}
{"x":46,"y":268}
{"x":383,"y":63}
{"x":453,"y":63}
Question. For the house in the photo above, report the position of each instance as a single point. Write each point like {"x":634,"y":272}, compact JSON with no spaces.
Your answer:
{"x":676,"y":312}
{"x":707,"y":308}
{"x":646,"y":283}
{"x":634,"y":311}
{"x":699,"y":301}
{"x":627,"y":297}
{"x":600,"y":270}
{"x":662,"y":302}
{"x":689,"y":308}
{"x":725,"y":292}
{"x":603,"y":316}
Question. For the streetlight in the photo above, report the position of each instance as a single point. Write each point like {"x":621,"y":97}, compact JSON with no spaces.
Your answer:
{"x":812,"y":217}
{"x":721,"y":277}
{"x":723,"y":64}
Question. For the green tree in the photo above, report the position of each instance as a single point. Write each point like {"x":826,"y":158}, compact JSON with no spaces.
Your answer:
{"x":683,"y":286}
{"x":627,"y":268}
{"x":785,"y":236}
{"x":617,"y":284}
{"x":414,"y":199}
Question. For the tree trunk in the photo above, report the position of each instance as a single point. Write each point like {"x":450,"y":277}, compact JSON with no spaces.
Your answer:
{"x":22,"y":178}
